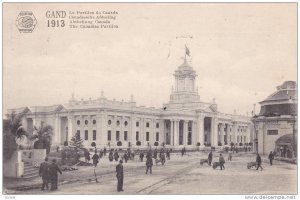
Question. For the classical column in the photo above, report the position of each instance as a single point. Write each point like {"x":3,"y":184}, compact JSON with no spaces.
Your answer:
{"x":234,"y":133}
{"x":172,"y":133}
{"x":132,"y":131}
{"x":200,"y":123}
{"x":99,"y":139}
{"x":71,"y":127}
{"x":214,"y":132}
{"x":195,"y":137}
{"x":185,"y":132}
{"x":222,"y":133}
{"x":142,"y":132}
{"x":176,"y":131}
{"x":103,"y":128}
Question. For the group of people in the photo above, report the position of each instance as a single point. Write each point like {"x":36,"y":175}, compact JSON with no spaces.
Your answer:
{"x":149,"y":164}
{"x":222,"y":160}
{"x":49,"y":173}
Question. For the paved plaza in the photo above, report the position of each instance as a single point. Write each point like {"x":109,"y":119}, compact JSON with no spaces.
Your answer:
{"x":181,"y":175}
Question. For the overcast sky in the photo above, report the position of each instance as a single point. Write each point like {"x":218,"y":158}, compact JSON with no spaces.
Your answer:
{"x":240,"y":52}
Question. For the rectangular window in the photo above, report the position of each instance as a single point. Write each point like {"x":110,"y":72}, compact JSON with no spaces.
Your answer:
{"x":157,"y":125}
{"x":157,"y":136}
{"x":86,"y":135}
{"x":147,"y":136}
{"x":147,"y":124}
{"x":109,"y":135}
{"x":137,"y":124}
{"x":244,"y":138}
{"x":94,"y":134}
{"x":125,"y":135}
{"x":190,"y":138}
{"x":238,"y":139}
{"x":117,"y":135}
{"x":78,"y":134}
{"x":272,"y":132}
{"x":137,"y":136}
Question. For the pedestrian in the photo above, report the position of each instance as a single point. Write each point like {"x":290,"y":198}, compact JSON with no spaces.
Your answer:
{"x":95,"y":159}
{"x":271,"y":157}
{"x":53,"y":169}
{"x":104,"y":151}
{"x":120,"y":176}
{"x":168,"y":154}
{"x":125,"y":156}
{"x":236,"y":150}
{"x":182,"y":152}
{"x":155,"y":153}
{"x":149,"y":163}
{"x":111,"y":156}
{"x":57,"y":148}
{"x":162,"y":157}
{"x":209,"y":158}
{"x":116,"y":155}
{"x":258,"y":161}
{"x":141,"y":156}
{"x":44,"y":173}
{"x":100,"y":154}
{"x":229,"y":155}
{"x":132,"y":155}
{"x":87,"y":156}
{"x":222,"y":162}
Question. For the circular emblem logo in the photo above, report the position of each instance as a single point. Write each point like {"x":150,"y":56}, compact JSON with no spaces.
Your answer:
{"x":26,"y":22}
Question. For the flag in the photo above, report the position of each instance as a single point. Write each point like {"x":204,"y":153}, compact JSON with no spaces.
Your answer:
{"x":187,"y":51}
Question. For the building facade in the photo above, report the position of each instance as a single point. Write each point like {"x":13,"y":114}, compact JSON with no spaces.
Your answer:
{"x":276,"y":124}
{"x":183,"y":121}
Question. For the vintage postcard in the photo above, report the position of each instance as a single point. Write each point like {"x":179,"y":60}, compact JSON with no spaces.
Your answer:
{"x":150,"y":98}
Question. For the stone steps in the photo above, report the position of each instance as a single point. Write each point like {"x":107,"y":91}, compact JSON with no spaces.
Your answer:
{"x":30,"y":171}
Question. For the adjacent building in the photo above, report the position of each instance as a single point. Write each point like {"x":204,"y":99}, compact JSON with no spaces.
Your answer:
{"x":276,"y":124}
{"x":184,"y":121}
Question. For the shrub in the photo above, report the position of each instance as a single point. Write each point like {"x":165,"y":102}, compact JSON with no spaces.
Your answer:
{"x":231,"y":144}
{"x":240,"y":144}
{"x":219,"y":143}
{"x":93,"y":144}
{"x":198,"y":144}
{"x":156,"y":144}
{"x":163,"y":144}
{"x":119,"y":143}
{"x":138,"y":143}
{"x":66,"y":143}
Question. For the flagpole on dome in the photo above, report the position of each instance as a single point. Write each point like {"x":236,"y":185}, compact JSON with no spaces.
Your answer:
{"x":187,"y":52}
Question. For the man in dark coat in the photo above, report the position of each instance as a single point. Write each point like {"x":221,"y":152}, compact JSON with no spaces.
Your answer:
{"x":53,"y":169}
{"x":155,"y":153}
{"x":141,"y":156}
{"x":168,"y":154}
{"x":149,"y":163}
{"x":271,"y":157}
{"x":95,"y":159}
{"x":44,"y":173}
{"x":120,"y":175}
{"x":162,"y":157}
{"x":104,"y":151}
{"x":87,"y":156}
{"x":258,"y":161}
{"x":222,"y":162}
{"x":209,"y":158}
{"x":111,"y":156}
{"x":116,"y":155}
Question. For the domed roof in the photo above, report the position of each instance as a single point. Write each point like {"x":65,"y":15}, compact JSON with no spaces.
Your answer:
{"x":185,"y":67}
{"x":286,"y":91}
